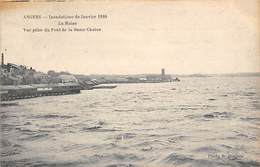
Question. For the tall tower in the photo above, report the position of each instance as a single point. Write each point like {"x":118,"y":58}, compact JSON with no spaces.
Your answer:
{"x":163,"y":74}
{"x":2,"y":60}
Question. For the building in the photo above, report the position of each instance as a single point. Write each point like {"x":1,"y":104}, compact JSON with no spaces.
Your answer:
{"x":68,"y":79}
{"x":12,"y":74}
{"x":159,"y":77}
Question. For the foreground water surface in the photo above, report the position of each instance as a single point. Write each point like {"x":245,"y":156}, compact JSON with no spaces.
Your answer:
{"x":212,"y":121}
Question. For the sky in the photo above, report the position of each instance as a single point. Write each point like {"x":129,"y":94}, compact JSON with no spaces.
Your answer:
{"x":138,"y":37}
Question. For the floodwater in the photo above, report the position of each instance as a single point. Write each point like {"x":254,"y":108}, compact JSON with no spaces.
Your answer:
{"x":211,"y":121}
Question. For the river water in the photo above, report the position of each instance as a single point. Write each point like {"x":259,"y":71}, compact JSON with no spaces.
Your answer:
{"x":211,"y":121}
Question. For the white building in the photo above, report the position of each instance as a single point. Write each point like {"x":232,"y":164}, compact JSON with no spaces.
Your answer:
{"x":68,"y":79}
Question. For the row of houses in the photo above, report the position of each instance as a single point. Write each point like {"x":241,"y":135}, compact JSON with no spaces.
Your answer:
{"x":12,"y":74}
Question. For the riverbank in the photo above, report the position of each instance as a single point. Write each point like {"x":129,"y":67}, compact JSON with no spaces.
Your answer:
{"x":13,"y":92}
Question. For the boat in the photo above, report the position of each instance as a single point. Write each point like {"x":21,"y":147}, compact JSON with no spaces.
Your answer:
{"x":176,"y":80}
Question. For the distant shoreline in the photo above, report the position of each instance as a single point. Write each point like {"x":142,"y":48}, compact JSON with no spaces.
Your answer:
{"x":253,"y":74}
{"x":222,"y":75}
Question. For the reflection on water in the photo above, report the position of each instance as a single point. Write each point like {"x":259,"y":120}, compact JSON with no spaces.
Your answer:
{"x":197,"y":122}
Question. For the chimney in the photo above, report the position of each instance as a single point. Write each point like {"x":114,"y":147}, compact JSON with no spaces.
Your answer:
{"x":2,"y":60}
{"x":163,"y":74}
{"x":163,"y":71}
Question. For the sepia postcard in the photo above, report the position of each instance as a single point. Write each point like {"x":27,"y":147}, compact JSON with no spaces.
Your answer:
{"x":130,"y":83}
